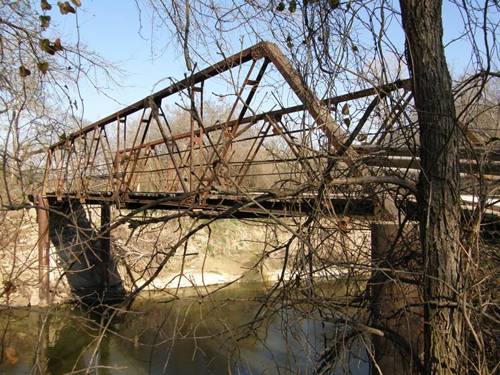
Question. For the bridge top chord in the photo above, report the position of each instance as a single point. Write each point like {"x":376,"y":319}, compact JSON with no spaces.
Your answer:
{"x":249,"y":128}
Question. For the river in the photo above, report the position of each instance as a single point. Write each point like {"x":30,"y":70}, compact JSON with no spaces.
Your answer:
{"x":163,"y":335}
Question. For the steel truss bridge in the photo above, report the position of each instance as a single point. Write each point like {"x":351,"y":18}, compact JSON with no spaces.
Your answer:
{"x":255,"y":155}
{"x":244,"y":138}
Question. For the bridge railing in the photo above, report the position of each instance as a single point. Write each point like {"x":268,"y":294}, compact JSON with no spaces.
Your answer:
{"x":256,"y":143}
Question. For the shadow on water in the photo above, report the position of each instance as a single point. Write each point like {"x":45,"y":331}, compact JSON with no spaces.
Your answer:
{"x":185,"y":336}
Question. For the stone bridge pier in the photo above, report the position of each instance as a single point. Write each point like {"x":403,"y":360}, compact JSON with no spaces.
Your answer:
{"x":82,"y":251}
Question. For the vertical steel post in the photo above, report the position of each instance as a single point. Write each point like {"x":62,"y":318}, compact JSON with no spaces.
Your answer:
{"x":191,"y":137}
{"x":105,"y":242}
{"x":42,"y":215}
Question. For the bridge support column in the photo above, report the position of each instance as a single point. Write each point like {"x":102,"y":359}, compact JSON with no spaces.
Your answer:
{"x":105,"y":243}
{"x":395,"y":301}
{"x":42,"y":216}
{"x":85,"y":254}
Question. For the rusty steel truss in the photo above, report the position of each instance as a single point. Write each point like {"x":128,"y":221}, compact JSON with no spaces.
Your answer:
{"x":253,"y":159}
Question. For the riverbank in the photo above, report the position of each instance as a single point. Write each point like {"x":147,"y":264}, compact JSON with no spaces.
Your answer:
{"x":226,"y":252}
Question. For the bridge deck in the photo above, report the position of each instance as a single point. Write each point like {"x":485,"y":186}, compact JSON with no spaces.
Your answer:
{"x":251,"y":205}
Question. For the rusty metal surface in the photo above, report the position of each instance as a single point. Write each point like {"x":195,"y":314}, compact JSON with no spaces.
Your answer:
{"x":139,"y":150}
{"x":255,"y":205}
{"x":42,"y":215}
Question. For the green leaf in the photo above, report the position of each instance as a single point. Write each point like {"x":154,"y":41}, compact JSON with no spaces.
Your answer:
{"x":51,"y":48}
{"x":57,"y":46}
{"x":281,"y":6}
{"x":43,"y":66}
{"x":334,"y":3}
{"x":345,"y":109}
{"x":44,"y":4}
{"x":24,"y":72}
{"x":46,"y":46}
{"x":292,"y":7}
{"x":45,"y":21}
{"x":65,"y":8}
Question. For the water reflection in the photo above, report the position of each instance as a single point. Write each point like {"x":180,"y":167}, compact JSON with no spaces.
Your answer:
{"x":186,"y":336}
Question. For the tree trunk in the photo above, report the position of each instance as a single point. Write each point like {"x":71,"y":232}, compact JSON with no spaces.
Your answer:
{"x":439,"y":196}
{"x":394,"y":302}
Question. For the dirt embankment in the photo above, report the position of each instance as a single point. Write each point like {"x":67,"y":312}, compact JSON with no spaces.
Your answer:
{"x":226,"y":251}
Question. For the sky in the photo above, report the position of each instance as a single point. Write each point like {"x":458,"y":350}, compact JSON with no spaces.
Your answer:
{"x":112,"y":29}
